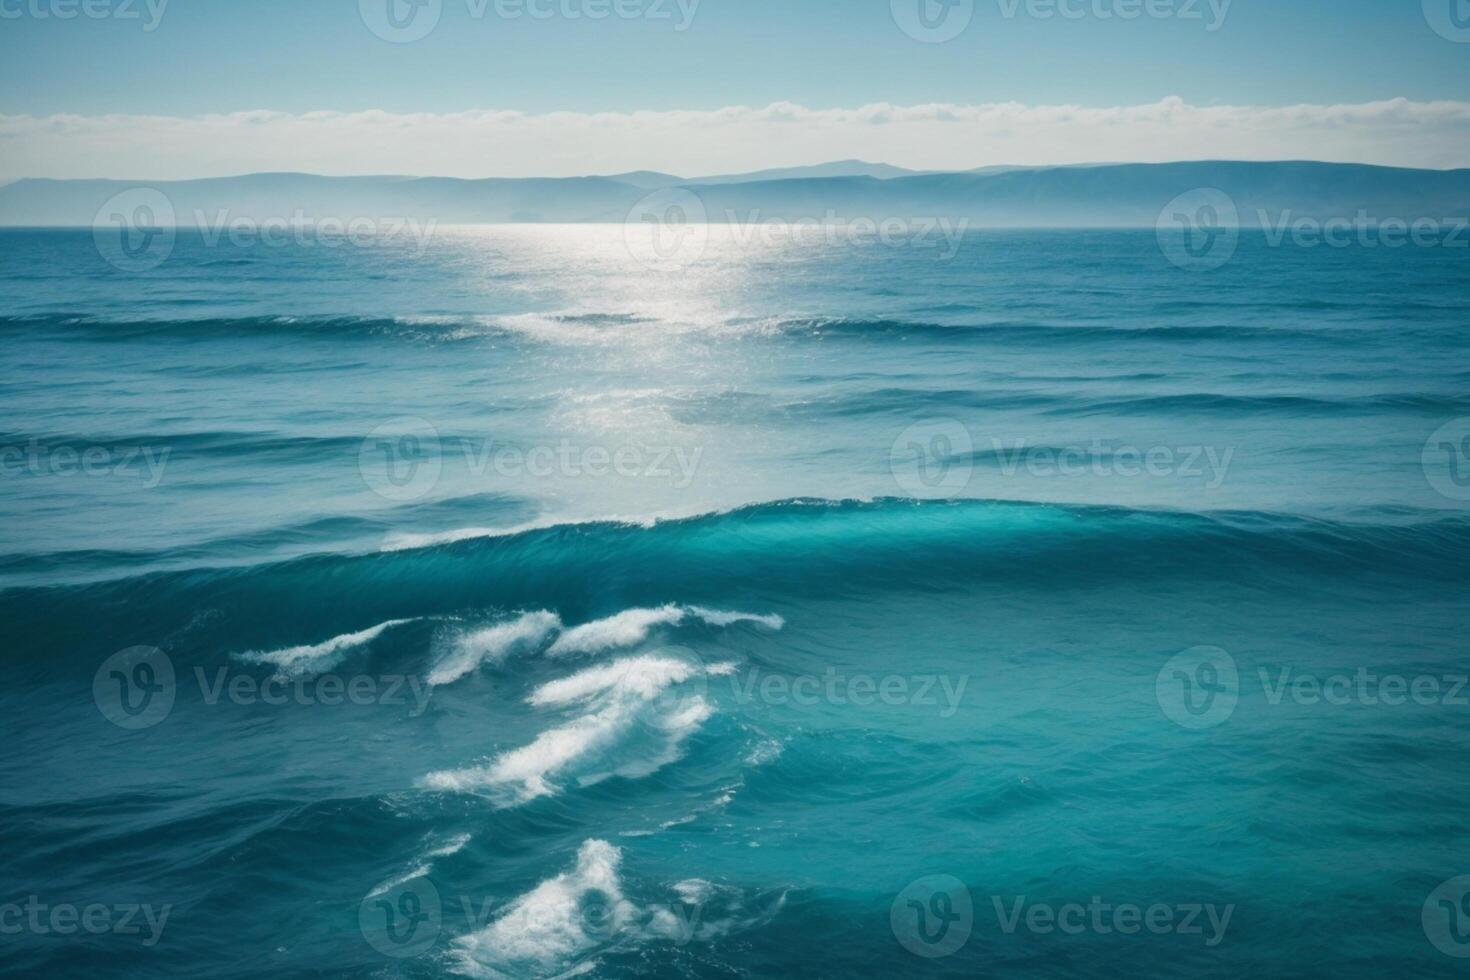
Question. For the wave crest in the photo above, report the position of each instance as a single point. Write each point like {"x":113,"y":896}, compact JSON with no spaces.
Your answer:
{"x":632,"y":626}
{"x":318,"y":658}
{"x":633,"y":724}
{"x":468,"y":651}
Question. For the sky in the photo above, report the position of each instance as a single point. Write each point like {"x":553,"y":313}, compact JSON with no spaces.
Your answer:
{"x":178,"y":88}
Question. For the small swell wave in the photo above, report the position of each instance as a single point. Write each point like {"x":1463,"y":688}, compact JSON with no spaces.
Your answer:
{"x":1233,"y":406}
{"x":317,"y":658}
{"x":1042,"y":334}
{"x":564,"y":327}
{"x":766,"y":553}
{"x":423,"y":329}
{"x":421,"y":867}
{"x":892,"y":401}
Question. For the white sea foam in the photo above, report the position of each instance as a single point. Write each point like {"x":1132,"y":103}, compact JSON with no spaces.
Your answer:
{"x":636,"y":712}
{"x":720,"y":617}
{"x":632,"y":626}
{"x":627,"y":628}
{"x":767,"y":750}
{"x":644,"y":677}
{"x":629,"y":728}
{"x":468,"y":651}
{"x":320,"y":657}
{"x":701,"y":911}
{"x":544,"y":931}
{"x":695,"y":891}
{"x":559,"y":927}
{"x":558,"y":330}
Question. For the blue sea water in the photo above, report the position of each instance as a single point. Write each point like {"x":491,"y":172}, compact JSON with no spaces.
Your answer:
{"x":501,"y":606}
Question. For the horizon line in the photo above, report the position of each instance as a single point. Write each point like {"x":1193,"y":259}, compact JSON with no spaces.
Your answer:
{"x":943,"y":137}
{"x":907,"y":172}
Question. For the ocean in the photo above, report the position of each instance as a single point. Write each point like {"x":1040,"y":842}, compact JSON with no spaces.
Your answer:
{"x":516,"y":602}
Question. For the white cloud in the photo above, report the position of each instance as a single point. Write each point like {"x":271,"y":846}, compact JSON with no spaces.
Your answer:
{"x":488,"y":143}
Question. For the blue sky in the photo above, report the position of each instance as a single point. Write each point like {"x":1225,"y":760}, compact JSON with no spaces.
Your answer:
{"x":300,"y":55}
{"x":111,"y":96}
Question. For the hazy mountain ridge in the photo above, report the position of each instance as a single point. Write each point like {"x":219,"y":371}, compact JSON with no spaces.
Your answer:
{"x":1123,"y":195}
{"x":840,"y":168}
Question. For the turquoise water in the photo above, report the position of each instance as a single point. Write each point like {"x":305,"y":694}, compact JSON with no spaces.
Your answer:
{"x":508,"y":608}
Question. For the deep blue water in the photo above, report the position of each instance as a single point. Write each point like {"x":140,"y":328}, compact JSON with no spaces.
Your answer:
{"x":507,"y":608}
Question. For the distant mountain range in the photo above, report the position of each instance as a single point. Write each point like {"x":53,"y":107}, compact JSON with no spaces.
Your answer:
{"x":842,"y":168}
{"x":1102,"y":195}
